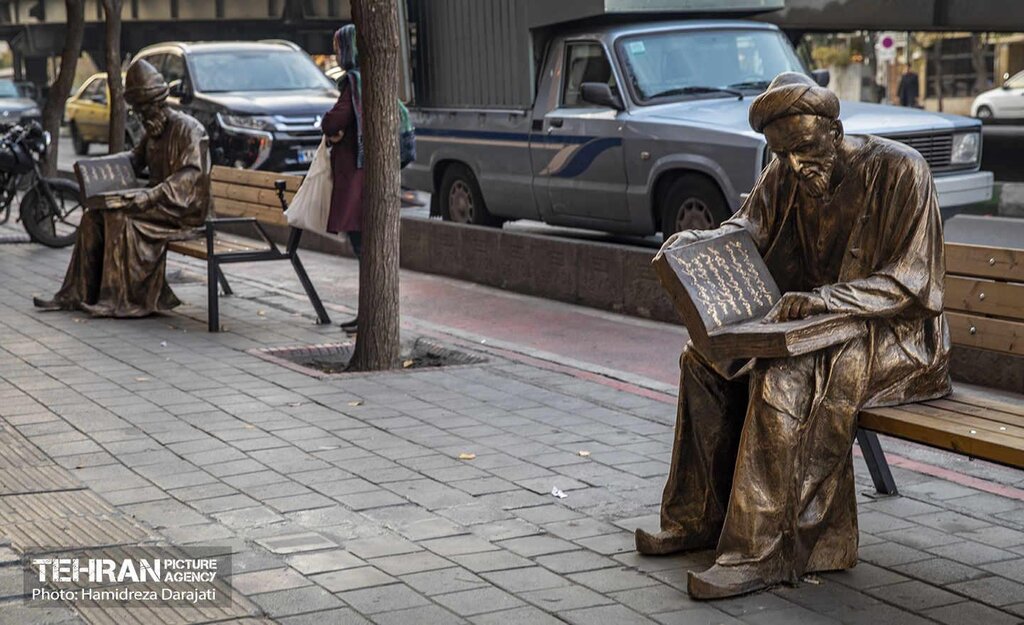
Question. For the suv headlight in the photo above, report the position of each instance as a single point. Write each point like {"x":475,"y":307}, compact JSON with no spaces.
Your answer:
{"x":246,"y":122}
{"x":966,"y":148}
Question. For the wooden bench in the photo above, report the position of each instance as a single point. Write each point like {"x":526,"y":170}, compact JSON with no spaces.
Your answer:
{"x":249,"y":199}
{"x":985,"y":309}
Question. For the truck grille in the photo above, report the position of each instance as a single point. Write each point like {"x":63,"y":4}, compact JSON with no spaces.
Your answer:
{"x":937,"y":149}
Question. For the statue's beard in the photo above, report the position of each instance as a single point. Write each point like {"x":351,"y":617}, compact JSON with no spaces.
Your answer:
{"x":155,"y":125}
{"x":814,"y":178}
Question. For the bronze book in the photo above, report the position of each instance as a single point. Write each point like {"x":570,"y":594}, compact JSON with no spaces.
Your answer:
{"x":723,"y":289}
{"x":105,"y":180}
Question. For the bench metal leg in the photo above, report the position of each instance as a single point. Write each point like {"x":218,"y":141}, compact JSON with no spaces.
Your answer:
{"x":307,"y":284}
{"x":213,"y":276}
{"x":877,"y":464}
{"x":224,"y":286}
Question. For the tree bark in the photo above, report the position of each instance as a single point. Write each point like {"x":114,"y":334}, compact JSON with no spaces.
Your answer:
{"x":53,"y":111}
{"x":978,"y":45}
{"x":938,"y":71}
{"x":115,"y":138}
{"x":377,"y":341}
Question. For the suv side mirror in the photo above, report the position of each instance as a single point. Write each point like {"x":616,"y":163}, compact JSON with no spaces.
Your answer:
{"x":822,"y":77}
{"x":178,"y":89}
{"x":600,"y":93}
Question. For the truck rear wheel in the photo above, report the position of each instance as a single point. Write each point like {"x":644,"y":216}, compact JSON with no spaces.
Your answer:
{"x":461,"y":199}
{"x":691,"y":202}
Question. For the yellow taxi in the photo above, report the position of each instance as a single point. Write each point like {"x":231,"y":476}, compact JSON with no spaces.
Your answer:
{"x":87,"y":113}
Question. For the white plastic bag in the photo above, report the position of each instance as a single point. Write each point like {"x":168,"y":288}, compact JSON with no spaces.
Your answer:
{"x":311,"y":205}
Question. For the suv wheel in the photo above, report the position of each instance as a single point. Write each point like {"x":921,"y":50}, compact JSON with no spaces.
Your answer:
{"x":461,"y":199}
{"x":691,"y":202}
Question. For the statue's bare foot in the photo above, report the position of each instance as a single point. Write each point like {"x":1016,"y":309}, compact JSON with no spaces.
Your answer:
{"x":720,"y":582}
{"x":665,"y":543}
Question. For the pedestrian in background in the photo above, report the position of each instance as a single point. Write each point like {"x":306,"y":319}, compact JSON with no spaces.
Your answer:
{"x":343,"y":126}
{"x":909,"y":88}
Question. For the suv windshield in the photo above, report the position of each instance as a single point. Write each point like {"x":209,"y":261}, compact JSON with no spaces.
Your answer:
{"x":256,"y":70}
{"x":702,"y":63}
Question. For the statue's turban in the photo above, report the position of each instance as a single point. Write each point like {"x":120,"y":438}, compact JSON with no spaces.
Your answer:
{"x":792,"y":94}
{"x":143,"y":84}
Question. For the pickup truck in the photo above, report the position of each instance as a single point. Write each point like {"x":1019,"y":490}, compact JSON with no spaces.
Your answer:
{"x":631,"y":126}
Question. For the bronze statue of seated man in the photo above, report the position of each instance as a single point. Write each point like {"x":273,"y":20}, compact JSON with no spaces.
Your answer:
{"x":117,"y":266}
{"x":762,"y":466}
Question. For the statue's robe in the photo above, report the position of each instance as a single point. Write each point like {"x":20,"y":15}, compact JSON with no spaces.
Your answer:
{"x":117,"y":266}
{"x":762,"y":464}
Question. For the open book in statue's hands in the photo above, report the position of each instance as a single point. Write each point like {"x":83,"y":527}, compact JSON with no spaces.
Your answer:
{"x":732,"y":306}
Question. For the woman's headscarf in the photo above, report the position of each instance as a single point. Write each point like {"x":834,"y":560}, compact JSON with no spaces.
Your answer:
{"x":348,"y":60}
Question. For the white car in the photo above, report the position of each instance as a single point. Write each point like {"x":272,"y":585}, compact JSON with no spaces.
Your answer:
{"x":1006,"y":102}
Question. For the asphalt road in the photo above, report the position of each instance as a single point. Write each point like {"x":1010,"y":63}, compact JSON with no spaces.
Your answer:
{"x":1002,"y":152}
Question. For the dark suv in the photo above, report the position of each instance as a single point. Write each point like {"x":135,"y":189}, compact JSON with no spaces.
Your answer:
{"x":261,"y":102}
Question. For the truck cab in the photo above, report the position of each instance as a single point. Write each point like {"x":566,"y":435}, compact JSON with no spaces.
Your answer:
{"x":640,"y":127}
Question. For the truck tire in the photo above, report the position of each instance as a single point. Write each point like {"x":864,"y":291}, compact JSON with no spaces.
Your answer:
{"x":691,"y":202}
{"x":461,"y":199}
{"x":984,"y":113}
{"x":81,"y":146}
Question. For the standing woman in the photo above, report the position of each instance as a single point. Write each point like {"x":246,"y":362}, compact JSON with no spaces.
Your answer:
{"x":344,"y":130}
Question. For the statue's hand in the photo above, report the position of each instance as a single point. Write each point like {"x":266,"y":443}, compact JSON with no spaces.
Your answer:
{"x":136,"y":201}
{"x":678,"y":239}
{"x":796,"y":306}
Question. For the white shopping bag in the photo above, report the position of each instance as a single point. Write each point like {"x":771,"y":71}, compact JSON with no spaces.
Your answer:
{"x":311,"y":205}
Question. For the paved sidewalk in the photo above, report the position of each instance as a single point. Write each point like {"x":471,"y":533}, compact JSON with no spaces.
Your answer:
{"x":344,"y":501}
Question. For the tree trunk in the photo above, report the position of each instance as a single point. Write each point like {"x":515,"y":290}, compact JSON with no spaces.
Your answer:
{"x":938,"y":71}
{"x":112,"y":12}
{"x":377,"y":341}
{"x":978,"y":45}
{"x":53,"y":111}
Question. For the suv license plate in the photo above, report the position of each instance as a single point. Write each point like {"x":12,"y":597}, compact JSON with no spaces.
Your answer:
{"x":306,"y":154}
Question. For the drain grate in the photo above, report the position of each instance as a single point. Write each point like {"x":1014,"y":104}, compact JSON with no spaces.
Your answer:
{"x":332,"y":358}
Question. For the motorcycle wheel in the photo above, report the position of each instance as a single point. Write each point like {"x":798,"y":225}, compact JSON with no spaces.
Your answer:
{"x":53,"y":224}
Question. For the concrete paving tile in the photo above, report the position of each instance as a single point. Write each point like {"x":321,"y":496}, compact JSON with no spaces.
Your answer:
{"x":1012,"y":569}
{"x":297,"y":601}
{"x":915,"y":595}
{"x":997,"y":591}
{"x":609,"y":544}
{"x":295,"y":503}
{"x":562,"y":598}
{"x":890,"y":554}
{"x":949,"y":521}
{"x":580,"y":528}
{"x":696,"y":616}
{"x":652,"y":599}
{"x":789,"y":616}
{"x":750,"y":605}
{"x":491,"y":561}
{"x":932,"y":490}
{"x":365,"y":500}
{"x":422,"y":615}
{"x":295,"y":543}
{"x":379,"y":546}
{"x":351,"y":579}
{"x":996,"y":536}
{"x":343,"y":616}
{"x":940,"y":571}
{"x":269,"y":580}
{"x":406,"y":563}
{"x":606,"y":615}
{"x":970,"y":612}
{"x":248,"y":518}
{"x":444,"y":581}
{"x":324,"y":561}
{"x":478,"y":601}
{"x":525,"y":579}
{"x":458,"y":545}
{"x":531,"y":546}
{"x":384,"y":598}
{"x":972,"y":553}
{"x":527,"y":615}
{"x":223,"y":504}
{"x":920,"y":537}
{"x":547,"y":514}
{"x":575,"y":562}
{"x":612,"y":580}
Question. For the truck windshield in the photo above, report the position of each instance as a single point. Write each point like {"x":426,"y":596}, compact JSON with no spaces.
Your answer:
{"x":261,"y":70}
{"x":704,"y":63}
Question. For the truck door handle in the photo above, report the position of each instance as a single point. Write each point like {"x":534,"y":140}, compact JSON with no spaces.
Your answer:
{"x":556,"y":123}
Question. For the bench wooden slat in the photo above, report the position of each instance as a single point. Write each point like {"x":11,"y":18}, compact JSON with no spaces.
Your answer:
{"x":254,"y":195}
{"x":991,"y":446}
{"x":265,"y":214}
{"x":977,"y":419}
{"x":988,"y":398}
{"x":222,"y":244}
{"x":999,"y":335}
{"x":973,"y":410}
{"x":985,"y":262}
{"x":986,"y":297}
{"x":254,"y":178}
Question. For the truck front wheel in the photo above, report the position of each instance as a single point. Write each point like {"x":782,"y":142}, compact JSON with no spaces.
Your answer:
{"x":691,"y":202}
{"x":461,"y":199}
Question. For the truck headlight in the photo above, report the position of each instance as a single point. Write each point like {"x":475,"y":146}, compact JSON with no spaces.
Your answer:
{"x":31,"y":112}
{"x":966,"y":148}
{"x":246,"y":122}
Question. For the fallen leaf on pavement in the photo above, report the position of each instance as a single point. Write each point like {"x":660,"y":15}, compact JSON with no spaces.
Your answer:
{"x":467,"y":456}
{"x":557,"y":492}
{"x":142,"y":379}
{"x":261,"y":313}
{"x":407,"y":364}
{"x":584,"y":453}
{"x":355,"y":403}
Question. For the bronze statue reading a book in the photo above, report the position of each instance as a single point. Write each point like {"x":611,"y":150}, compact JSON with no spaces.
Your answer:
{"x":827,"y":288}
{"x":117,"y":266}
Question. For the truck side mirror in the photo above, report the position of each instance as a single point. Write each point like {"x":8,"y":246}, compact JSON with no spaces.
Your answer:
{"x":600,"y":94}
{"x":822,"y":77}
{"x":178,"y":89}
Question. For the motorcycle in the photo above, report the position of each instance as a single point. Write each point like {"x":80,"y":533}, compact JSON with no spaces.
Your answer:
{"x":51,"y":208}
